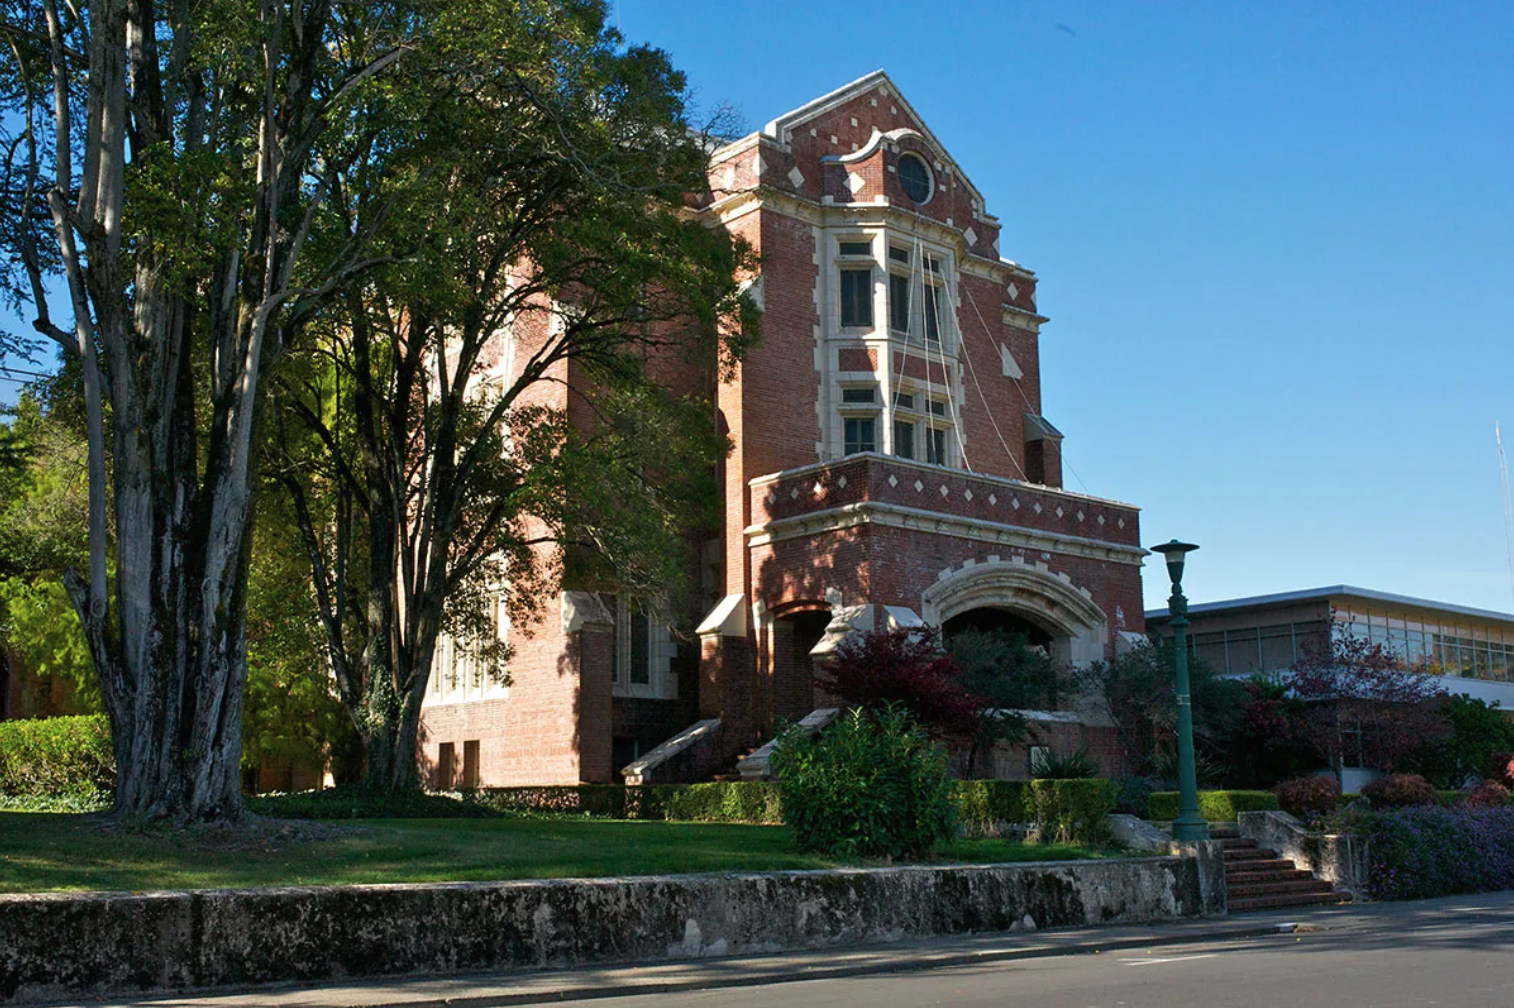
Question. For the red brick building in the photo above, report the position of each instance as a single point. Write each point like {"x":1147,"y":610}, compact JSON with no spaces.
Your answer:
{"x":892,"y":465}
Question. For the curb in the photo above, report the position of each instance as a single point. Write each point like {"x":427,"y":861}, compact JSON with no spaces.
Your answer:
{"x":730,"y":974}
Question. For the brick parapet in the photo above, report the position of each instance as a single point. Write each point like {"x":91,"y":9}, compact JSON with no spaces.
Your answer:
{"x":865,"y":478}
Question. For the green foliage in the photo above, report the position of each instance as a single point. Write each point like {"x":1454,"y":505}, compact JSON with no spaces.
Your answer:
{"x":983,"y":804}
{"x":290,"y":711}
{"x":1479,"y":730}
{"x":1135,"y":792}
{"x":56,"y":757}
{"x":1164,"y":764}
{"x":725,"y":801}
{"x":1071,"y":811}
{"x":1138,"y":694}
{"x":356,"y":802}
{"x":1214,"y":806}
{"x":43,"y":517}
{"x":69,"y":804}
{"x":869,"y":785}
{"x":1009,"y":675}
{"x":1076,"y":765}
{"x":39,"y":625}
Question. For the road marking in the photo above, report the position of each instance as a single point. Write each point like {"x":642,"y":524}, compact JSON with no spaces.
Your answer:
{"x":1167,"y":959}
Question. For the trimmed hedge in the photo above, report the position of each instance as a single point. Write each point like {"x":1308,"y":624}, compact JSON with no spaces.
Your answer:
{"x":983,"y":804}
{"x":723,"y":801}
{"x":57,"y":757}
{"x":1071,"y":811}
{"x":1214,"y":806}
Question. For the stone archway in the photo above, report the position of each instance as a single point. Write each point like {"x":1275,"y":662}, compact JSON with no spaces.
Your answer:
{"x":1076,"y":625}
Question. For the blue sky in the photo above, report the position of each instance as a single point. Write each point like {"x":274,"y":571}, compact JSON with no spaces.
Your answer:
{"x":1276,"y":242}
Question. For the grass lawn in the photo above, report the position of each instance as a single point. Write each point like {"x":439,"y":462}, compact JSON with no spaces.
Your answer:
{"x":51,"y":852}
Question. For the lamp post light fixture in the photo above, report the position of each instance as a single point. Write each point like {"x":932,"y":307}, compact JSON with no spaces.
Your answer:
{"x":1189,"y":825}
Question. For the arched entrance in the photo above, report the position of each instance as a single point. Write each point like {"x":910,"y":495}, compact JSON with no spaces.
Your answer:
{"x":991,"y":619}
{"x":1014,"y":594}
{"x":795,"y":634}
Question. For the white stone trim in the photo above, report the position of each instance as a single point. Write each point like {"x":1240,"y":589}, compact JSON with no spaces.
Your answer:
{"x":1068,"y":611}
{"x":727,"y":619}
{"x":976,"y":529}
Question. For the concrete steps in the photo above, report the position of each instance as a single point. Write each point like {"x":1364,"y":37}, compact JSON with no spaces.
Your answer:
{"x":1257,"y":879}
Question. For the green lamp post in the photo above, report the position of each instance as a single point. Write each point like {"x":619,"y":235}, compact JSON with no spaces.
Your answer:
{"x":1189,"y":825}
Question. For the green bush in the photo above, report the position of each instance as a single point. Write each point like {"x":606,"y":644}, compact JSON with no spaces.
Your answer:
{"x":871,"y":784}
{"x":56,"y":757}
{"x":724,"y":801}
{"x":982,"y":804}
{"x":1214,"y":806}
{"x":1078,"y":765}
{"x":1402,"y":791}
{"x":1071,"y":811}
{"x":350,"y":801}
{"x":600,"y":801}
{"x":98,"y":801}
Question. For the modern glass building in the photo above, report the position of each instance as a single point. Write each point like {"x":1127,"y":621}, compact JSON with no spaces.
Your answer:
{"x":1470,"y":650}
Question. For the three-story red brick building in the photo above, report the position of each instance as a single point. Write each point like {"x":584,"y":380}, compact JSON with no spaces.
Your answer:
{"x":892,"y":465}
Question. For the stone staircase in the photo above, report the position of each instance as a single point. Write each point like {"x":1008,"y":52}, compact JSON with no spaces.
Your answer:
{"x":1257,"y":879}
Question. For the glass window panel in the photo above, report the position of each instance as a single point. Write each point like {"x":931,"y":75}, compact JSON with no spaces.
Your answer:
{"x":898,"y":254}
{"x":857,"y":297}
{"x":933,"y":299}
{"x":904,"y":439}
{"x":859,"y":395}
{"x":898,"y":303}
{"x":1277,"y":652}
{"x":935,"y":446}
{"x":856,"y":248}
{"x":1241,"y":651}
{"x":859,"y":435}
{"x":641,"y":662}
{"x":904,"y":400}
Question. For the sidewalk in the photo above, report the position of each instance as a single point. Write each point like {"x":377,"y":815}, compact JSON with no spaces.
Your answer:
{"x":480,"y":991}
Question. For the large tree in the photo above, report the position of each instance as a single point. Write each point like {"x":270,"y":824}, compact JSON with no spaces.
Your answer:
{"x":513,"y":400}
{"x":166,"y":171}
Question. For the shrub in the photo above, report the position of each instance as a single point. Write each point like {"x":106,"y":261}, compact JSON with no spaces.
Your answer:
{"x":1427,"y":850}
{"x":1134,"y":793}
{"x":1077,"y":765}
{"x":54,"y":757}
{"x":1501,"y":769}
{"x":983,"y":804}
{"x":1488,"y":794}
{"x":869,"y":785}
{"x":600,"y":801}
{"x":1399,"y":791}
{"x":352,"y":801}
{"x":1309,"y":798}
{"x":724,"y":801}
{"x":1214,"y":806}
{"x":1071,"y":811}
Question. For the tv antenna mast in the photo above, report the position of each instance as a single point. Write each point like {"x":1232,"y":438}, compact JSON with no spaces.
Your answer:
{"x":1508,"y":509}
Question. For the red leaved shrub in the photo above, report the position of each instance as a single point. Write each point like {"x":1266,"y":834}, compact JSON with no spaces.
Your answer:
{"x":1308,"y":797}
{"x":1399,"y":791}
{"x":908,"y":667}
{"x":1502,"y":769}
{"x":1488,"y":794}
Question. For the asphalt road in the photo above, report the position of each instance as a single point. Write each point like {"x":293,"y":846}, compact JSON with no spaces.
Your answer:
{"x":1463,"y":959}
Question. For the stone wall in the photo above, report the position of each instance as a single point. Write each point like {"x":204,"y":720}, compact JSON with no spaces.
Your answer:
{"x":62,"y":945}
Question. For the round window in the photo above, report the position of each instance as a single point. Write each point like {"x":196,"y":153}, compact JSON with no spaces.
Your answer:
{"x":914,"y":175}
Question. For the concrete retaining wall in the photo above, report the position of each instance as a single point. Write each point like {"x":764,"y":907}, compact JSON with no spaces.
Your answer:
{"x":52,"y":946}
